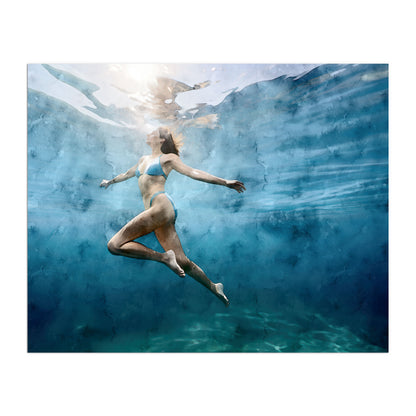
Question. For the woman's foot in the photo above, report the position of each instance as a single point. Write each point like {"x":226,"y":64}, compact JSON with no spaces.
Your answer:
{"x":219,"y":292}
{"x":170,"y":261}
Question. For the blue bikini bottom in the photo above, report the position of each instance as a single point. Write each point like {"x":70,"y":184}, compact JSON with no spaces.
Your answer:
{"x":170,"y":199}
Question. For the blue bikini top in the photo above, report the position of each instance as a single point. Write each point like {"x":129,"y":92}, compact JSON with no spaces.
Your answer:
{"x":154,"y":169}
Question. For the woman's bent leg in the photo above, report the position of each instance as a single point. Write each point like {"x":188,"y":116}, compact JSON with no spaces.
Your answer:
{"x":122,"y":243}
{"x":169,"y":240}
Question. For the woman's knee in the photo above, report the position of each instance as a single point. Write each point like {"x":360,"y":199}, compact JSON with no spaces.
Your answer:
{"x":113,"y":247}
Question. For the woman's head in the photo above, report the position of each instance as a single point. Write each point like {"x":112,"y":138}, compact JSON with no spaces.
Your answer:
{"x":169,"y":144}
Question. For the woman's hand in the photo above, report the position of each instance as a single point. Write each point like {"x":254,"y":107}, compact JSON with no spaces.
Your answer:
{"x":237,"y":185}
{"x":105,"y":184}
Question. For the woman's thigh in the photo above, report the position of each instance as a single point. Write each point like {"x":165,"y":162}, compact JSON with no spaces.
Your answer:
{"x":144,"y":223}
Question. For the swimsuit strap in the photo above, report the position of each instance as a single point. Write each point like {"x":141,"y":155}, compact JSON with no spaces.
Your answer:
{"x":161,"y":169}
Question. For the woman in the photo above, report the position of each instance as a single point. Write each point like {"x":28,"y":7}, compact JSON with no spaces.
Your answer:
{"x":160,"y":212}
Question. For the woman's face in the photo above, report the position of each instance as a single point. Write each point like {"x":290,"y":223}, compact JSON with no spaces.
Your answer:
{"x":153,"y":138}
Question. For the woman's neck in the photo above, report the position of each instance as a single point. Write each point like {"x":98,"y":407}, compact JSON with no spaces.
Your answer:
{"x":156,"y":153}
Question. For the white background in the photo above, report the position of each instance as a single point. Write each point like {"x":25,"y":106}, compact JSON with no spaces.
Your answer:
{"x":202,"y":384}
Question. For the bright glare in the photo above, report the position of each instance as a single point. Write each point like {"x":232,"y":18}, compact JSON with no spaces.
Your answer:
{"x":139,"y":76}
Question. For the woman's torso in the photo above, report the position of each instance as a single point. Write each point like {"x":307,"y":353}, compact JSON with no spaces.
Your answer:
{"x":151,"y":177}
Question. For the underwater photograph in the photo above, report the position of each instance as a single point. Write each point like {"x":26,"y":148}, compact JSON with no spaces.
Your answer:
{"x":207,"y":208}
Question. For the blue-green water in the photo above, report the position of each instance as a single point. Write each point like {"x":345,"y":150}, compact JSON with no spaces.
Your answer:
{"x":303,"y":254}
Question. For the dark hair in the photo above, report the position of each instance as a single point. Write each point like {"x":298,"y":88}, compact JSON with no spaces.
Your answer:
{"x":169,"y":145}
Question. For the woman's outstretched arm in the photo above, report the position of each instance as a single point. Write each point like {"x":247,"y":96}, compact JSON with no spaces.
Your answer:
{"x":174,"y":162}
{"x":120,"y":178}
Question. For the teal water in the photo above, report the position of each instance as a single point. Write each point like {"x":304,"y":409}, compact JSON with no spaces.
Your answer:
{"x":237,"y":331}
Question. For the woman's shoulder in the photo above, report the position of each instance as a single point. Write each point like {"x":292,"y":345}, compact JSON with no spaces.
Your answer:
{"x":168,"y":157}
